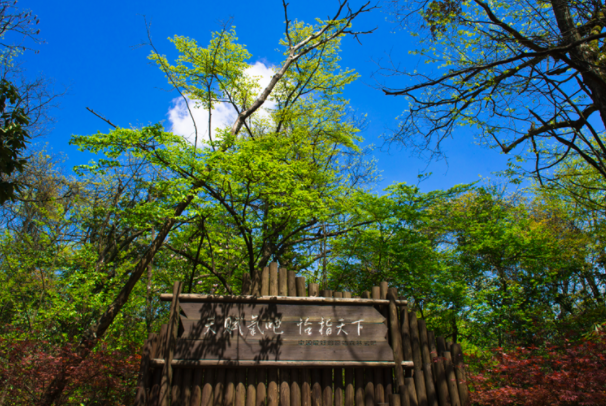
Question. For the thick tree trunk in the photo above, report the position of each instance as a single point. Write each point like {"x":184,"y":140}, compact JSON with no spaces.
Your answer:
{"x":96,"y":331}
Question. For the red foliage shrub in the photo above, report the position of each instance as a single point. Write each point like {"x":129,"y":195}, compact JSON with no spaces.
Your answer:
{"x":104,"y":378}
{"x":573,"y":373}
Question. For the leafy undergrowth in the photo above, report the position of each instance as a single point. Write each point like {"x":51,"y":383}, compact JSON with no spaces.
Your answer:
{"x":570,"y":373}
{"x":27,"y":366}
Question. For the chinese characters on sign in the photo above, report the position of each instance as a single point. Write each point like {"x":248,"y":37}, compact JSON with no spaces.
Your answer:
{"x":255,"y":326}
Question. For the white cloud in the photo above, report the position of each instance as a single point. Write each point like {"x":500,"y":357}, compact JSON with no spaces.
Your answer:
{"x":222,"y":115}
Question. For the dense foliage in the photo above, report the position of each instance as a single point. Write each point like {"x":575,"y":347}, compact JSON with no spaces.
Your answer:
{"x":516,"y":275}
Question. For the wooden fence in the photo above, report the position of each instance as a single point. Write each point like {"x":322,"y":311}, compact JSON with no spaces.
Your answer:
{"x":424,"y":370}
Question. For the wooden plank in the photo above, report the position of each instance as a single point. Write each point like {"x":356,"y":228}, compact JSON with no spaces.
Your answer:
{"x":295,"y":387}
{"x":412,"y":392}
{"x":273,"y":279}
{"x":451,"y":379}
{"x":230,"y":387}
{"x":144,"y":378}
{"x":306,"y":387}
{"x":359,"y":397}
{"x":276,"y":364}
{"x":200,"y":297}
{"x":154,"y":395}
{"x":186,"y":386}
{"x":432,"y":399}
{"x":369,"y":387}
{"x":305,"y":373}
{"x":328,"y":349}
{"x":284,"y":375}
{"x":264,"y":282}
{"x":316,"y":387}
{"x":396,"y":337}
{"x":327,"y":372}
{"x":240,"y":399}
{"x":441,"y":385}
{"x":171,"y":337}
{"x":301,"y":290}
{"x":251,"y":387}
{"x":282,"y":282}
{"x":292,"y":284}
{"x":338,"y":383}
{"x":196,"y":392}
{"x":217,"y":312}
{"x":406,"y":343}
{"x":175,"y":397}
{"x":459,"y":364}
{"x":291,"y":328}
{"x":261,"y":387}
{"x":350,"y":391}
{"x":419,"y":377}
{"x":207,"y":388}
{"x":327,"y":391}
{"x":379,"y":384}
{"x":219,"y":390}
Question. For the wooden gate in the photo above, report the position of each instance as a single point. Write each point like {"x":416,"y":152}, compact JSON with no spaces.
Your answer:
{"x":284,"y":344}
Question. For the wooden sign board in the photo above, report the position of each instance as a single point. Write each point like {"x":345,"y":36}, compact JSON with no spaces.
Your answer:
{"x":282,"y":332}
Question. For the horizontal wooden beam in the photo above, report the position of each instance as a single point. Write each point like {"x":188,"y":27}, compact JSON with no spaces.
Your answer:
{"x":186,"y":363}
{"x":197,"y":297}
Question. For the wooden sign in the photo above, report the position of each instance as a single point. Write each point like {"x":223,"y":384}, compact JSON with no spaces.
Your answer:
{"x":282,"y":332}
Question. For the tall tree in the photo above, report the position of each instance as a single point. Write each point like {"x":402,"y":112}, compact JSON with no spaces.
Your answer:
{"x":190,"y":174}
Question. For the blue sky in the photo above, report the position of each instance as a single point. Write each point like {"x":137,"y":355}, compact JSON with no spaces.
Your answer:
{"x":93,"y":50}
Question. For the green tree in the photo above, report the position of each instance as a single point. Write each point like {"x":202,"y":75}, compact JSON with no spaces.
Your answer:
{"x":187,"y":173}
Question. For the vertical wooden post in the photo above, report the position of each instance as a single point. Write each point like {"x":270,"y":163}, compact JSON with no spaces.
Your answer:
{"x":326,"y":372}
{"x":292,"y":283}
{"x":314,"y":289}
{"x":230,"y":387}
{"x":265,"y":281}
{"x":171,"y":339}
{"x":432,"y":399}
{"x":186,"y":387}
{"x":261,"y":388}
{"x":316,"y":387}
{"x":295,"y":386}
{"x":240,"y":399}
{"x":451,"y":379}
{"x":251,"y":388}
{"x":175,"y":397}
{"x":338,"y":372}
{"x":305,"y":375}
{"x":369,"y":387}
{"x":273,"y":279}
{"x":360,"y":395}
{"x":379,"y":385}
{"x":282,"y":282}
{"x":349,"y":387}
{"x":396,"y":337}
{"x":144,"y":376}
{"x":283,"y":373}
{"x":219,"y":387}
{"x":207,"y":387}
{"x":459,"y":364}
{"x":441,"y":384}
{"x":419,"y":377}
{"x":196,"y":393}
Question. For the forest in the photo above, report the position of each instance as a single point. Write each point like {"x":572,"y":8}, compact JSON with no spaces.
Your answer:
{"x":513,"y":269}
